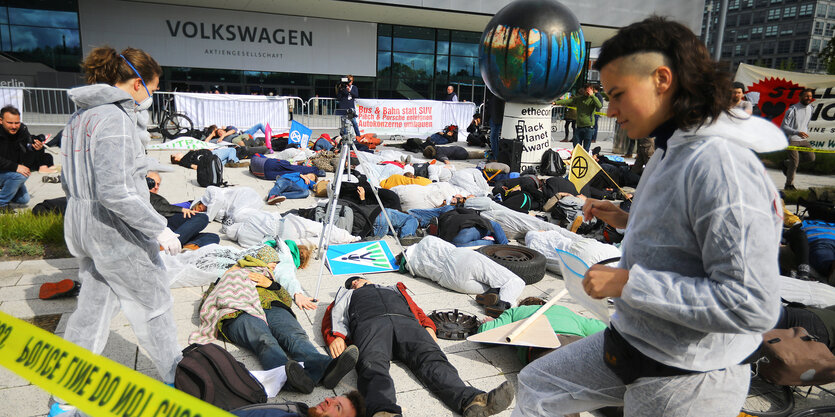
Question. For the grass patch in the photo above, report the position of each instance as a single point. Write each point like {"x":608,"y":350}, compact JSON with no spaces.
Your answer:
{"x":824,"y":162}
{"x":24,"y":235}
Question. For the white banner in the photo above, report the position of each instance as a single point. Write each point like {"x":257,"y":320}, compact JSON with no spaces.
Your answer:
{"x":530,"y":123}
{"x":239,"y":110}
{"x":780,"y":89}
{"x":418,"y":118}
{"x":203,"y":37}
{"x":13,"y":96}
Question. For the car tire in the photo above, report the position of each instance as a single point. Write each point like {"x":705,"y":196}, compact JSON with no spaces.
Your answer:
{"x":525,"y":262}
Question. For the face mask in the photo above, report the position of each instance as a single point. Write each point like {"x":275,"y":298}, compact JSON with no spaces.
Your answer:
{"x":145,"y":104}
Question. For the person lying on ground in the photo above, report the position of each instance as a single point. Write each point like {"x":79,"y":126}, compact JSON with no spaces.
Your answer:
{"x":186,"y":223}
{"x":472,"y":180}
{"x":386,"y":324}
{"x":434,"y":170}
{"x":228,"y":157}
{"x":446,"y":153}
{"x":514,"y":224}
{"x":813,"y":244}
{"x":255,"y":226}
{"x":564,"y":322}
{"x":464,"y":227}
{"x":350,"y":404}
{"x":230,"y":204}
{"x":252,"y":308}
{"x":462,"y":270}
{"x":429,"y":196}
{"x":397,"y":179}
{"x":271,"y":168}
{"x":291,"y":185}
{"x":350,"y":191}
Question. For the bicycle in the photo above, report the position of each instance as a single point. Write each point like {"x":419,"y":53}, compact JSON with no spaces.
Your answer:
{"x":172,"y":124}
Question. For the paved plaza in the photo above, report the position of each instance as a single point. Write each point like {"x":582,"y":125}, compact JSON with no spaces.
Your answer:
{"x":482,"y":366}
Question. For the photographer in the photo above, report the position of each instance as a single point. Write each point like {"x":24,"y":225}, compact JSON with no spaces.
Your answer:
{"x":346,"y":93}
{"x":477,"y":134}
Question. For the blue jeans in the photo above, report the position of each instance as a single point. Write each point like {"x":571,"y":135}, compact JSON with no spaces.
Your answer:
{"x":424,"y":216}
{"x":822,"y":255}
{"x":321,"y":144}
{"x":12,"y":189}
{"x":288,"y":189}
{"x":582,"y":137}
{"x":255,"y":129}
{"x":474,"y":236}
{"x":596,"y":125}
{"x":226,"y":154}
{"x":274,"y":341}
{"x":404,"y":224}
{"x":189,"y":229}
{"x":495,"y":134}
{"x":356,"y":126}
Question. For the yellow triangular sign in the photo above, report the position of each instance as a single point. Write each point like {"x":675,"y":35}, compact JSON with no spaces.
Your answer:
{"x":538,"y":334}
{"x":582,"y":168}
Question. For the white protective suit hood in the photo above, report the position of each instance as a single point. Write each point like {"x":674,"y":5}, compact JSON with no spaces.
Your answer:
{"x":90,"y":96}
{"x":748,"y":131}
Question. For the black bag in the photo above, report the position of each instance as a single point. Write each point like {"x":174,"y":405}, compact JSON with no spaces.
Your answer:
{"x":510,"y":153}
{"x":413,"y":145}
{"x":551,"y":164}
{"x":212,"y":374}
{"x":210,"y":171}
{"x":53,"y":205}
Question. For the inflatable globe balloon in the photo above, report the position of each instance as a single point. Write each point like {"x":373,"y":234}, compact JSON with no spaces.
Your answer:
{"x":532,"y":51}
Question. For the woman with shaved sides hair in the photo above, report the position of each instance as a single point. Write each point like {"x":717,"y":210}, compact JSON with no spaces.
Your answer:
{"x":696,"y":284}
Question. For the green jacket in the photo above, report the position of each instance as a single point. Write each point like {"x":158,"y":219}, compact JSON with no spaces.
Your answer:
{"x":586,"y":106}
{"x":563,"y":321}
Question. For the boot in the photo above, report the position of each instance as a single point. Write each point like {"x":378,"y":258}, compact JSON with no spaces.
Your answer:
{"x":497,"y":309}
{"x":493,"y":402}
{"x":488,"y":298}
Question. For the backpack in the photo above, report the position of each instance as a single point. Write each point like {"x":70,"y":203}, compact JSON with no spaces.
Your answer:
{"x":551,"y":164}
{"x":210,"y":171}
{"x":53,"y":205}
{"x":212,"y":374}
{"x":793,"y":357}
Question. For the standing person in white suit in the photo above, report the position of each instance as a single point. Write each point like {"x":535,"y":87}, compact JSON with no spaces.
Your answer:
{"x":110,"y":225}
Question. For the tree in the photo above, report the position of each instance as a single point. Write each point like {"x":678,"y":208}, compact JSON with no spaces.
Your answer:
{"x":827,"y":56}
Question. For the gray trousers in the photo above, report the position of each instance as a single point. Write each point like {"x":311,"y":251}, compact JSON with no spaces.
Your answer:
{"x":574,"y":378}
{"x":794,"y":159}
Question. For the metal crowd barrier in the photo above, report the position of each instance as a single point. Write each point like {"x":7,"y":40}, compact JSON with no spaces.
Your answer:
{"x":43,"y":106}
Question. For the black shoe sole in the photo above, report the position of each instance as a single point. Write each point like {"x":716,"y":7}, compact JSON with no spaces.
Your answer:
{"x":494,"y":312}
{"x":499,"y":398}
{"x":343,"y":364}
{"x":297,"y":378}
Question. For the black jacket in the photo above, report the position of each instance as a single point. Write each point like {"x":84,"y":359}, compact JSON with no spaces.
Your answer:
{"x":13,"y":148}
{"x":163,"y":207}
{"x":345,"y":98}
{"x":451,"y":222}
{"x":493,"y":108}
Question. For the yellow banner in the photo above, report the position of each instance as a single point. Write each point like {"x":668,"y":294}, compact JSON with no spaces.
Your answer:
{"x":582,"y":168}
{"x":803,"y":149}
{"x":94,"y":384}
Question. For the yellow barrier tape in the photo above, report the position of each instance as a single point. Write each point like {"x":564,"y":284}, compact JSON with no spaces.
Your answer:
{"x":804,"y":149}
{"x":94,"y":384}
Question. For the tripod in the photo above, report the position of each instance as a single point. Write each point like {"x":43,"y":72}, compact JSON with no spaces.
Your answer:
{"x":346,"y":145}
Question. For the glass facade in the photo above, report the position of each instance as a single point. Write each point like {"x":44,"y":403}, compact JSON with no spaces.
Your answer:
{"x":44,"y":31}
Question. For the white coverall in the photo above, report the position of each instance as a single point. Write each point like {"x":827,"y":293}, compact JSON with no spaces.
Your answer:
{"x":514,"y":224}
{"x":111,"y":228}
{"x":472,"y":180}
{"x":462,"y":270}
{"x":701,"y":250}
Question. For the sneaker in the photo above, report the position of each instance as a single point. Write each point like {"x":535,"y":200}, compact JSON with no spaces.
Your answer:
{"x":340,"y":366}
{"x":550,"y":203}
{"x":190,"y":246}
{"x":51,"y":179}
{"x":275,"y":199}
{"x":410,"y":240}
{"x":240,"y":164}
{"x":297,"y":377}
{"x":578,"y":221}
{"x":61,"y":289}
{"x":489,"y":403}
{"x":488,"y":298}
{"x":408,"y":159}
{"x":60,"y":409}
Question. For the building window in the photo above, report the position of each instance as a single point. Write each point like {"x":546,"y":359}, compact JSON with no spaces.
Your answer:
{"x":787,"y":29}
{"x":799,"y":45}
{"x":756,"y":32}
{"x":733,"y":5}
{"x":768,"y":48}
{"x":831,"y":13}
{"x":818,"y":28}
{"x":739,"y":50}
{"x":742,"y":35}
{"x":44,"y":31}
{"x":759,"y":17}
{"x":802,"y":28}
{"x":815,"y":46}
{"x":771,"y":30}
{"x":828,"y":31}
{"x":773,"y":14}
{"x":797,"y":62}
{"x":754,"y":49}
{"x":776,"y":1}
{"x":745,"y":19}
{"x":806,"y":9}
{"x":821,"y":10}
{"x":790,"y":11}
{"x":784,"y":47}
